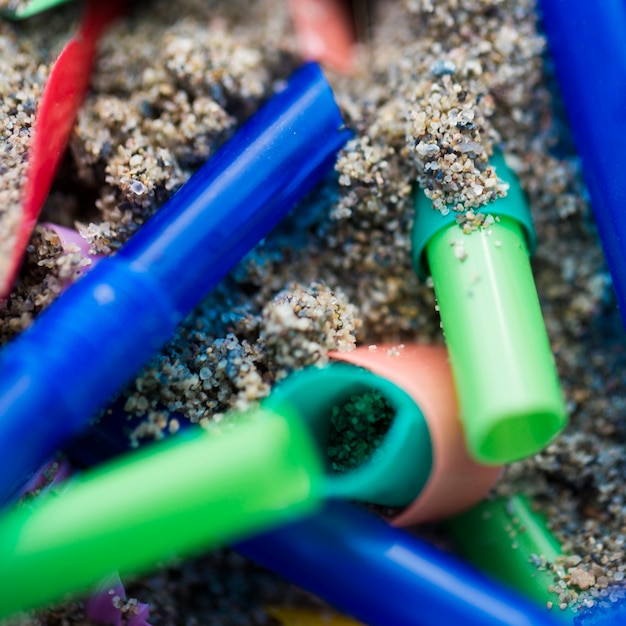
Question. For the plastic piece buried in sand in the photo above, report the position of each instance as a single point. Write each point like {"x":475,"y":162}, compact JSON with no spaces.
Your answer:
{"x":102,"y":329}
{"x":102,"y":608}
{"x":508,"y":388}
{"x":54,"y":120}
{"x":326,"y":32}
{"x":28,"y":8}
{"x":420,"y":462}
{"x":586,"y":43}
{"x":505,"y":538}
{"x":72,"y":241}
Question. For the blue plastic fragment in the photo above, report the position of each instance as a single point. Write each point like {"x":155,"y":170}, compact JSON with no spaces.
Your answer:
{"x":586,"y":42}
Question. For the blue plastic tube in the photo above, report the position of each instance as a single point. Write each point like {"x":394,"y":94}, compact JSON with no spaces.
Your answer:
{"x":383,"y":576}
{"x":587,"y":42}
{"x":90,"y":342}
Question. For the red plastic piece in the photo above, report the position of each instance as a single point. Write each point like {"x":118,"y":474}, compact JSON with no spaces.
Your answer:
{"x":62,"y":96}
{"x":326,"y":32}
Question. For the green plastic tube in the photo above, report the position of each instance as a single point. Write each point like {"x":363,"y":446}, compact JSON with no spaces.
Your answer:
{"x":509,"y":394}
{"x":32,"y":8}
{"x":397,"y":470}
{"x":506,"y":539}
{"x":167,"y":501}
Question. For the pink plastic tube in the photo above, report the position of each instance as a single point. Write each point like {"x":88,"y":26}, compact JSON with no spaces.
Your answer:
{"x":456,"y":481}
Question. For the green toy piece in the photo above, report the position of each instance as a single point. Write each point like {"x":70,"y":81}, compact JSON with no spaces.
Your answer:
{"x":20,"y":10}
{"x":509,"y":394}
{"x":169,"y":500}
{"x":400,"y":462}
{"x":203,"y":488}
{"x":506,"y":539}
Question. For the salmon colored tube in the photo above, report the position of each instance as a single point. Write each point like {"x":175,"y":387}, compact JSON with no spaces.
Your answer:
{"x":325,"y":31}
{"x":456,"y":481}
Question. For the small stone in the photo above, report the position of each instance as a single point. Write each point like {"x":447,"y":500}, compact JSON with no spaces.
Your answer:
{"x":581,"y":578}
{"x":442,"y":66}
{"x":137,"y":187}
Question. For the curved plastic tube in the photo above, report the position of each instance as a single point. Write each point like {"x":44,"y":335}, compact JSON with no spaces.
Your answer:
{"x":455,"y":481}
{"x":393,"y":474}
{"x":55,"y":118}
{"x":91,"y":341}
{"x":383,"y":576}
{"x":421,"y":462}
{"x":166,"y":501}
{"x":397,"y":469}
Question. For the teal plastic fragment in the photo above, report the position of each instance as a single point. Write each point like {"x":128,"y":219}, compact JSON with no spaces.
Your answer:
{"x":30,"y":8}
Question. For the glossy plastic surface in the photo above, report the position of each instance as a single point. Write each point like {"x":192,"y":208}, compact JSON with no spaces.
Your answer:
{"x":509,"y":394}
{"x":422,"y":461}
{"x":90,"y":342}
{"x":32,"y":7}
{"x":504,"y":537}
{"x":54,"y":120}
{"x":397,"y":469}
{"x":586,"y":43}
{"x":168,"y":500}
{"x":455,"y":481}
{"x":393,"y":474}
{"x":383,"y":576}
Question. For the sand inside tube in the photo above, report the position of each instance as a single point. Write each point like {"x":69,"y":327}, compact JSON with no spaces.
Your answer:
{"x":438,"y":85}
{"x":357,"y":428}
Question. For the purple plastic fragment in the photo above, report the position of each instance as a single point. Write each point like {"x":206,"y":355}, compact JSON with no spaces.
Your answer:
{"x":42,"y":481}
{"x":108,"y":606}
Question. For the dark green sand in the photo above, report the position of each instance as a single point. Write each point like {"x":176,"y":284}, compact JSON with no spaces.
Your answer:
{"x":357,"y":427}
{"x":437,"y":86}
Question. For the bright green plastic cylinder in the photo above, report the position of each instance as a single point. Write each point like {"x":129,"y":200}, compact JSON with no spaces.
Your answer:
{"x":168,"y":501}
{"x":505,"y":538}
{"x":508,"y":389}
